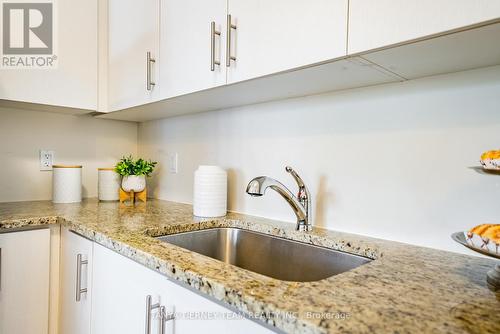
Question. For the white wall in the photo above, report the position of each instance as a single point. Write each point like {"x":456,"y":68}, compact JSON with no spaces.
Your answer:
{"x":389,"y":161}
{"x":81,"y":140}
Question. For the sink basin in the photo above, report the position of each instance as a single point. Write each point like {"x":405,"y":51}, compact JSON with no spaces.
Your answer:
{"x":267,"y":255}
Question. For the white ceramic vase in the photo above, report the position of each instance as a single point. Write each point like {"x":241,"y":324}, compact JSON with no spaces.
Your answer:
{"x":210,"y":192}
{"x":135,"y":183}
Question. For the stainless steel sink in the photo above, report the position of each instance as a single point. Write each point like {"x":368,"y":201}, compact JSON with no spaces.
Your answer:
{"x":267,"y":255}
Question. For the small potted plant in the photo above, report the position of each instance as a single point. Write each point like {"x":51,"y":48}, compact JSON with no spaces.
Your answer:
{"x":134,"y":173}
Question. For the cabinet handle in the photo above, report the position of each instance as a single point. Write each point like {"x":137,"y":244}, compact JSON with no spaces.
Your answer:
{"x":79,"y":264}
{"x":164,"y":317}
{"x":149,"y":62}
{"x":162,"y":320}
{"x":150,"y":307}
{"x":0,"y":269}
{"x":213,"y":33}
{"x":230,"y":26}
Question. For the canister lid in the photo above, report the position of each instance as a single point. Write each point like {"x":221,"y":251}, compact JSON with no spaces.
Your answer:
{"x":107,"y":168}
{"x":66,"y":166}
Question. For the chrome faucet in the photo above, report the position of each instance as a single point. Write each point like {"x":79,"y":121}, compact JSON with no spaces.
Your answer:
{"x":301,"y":204}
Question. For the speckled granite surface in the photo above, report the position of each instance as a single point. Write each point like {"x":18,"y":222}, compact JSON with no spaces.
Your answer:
{"x":407,"y":289}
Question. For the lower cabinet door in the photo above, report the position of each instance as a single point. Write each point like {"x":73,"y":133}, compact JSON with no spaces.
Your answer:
{"x":120,"y":302}
{"x":120,"y":291}
{"x":196,"y":314}
{"x":76,"y":283}
{"x":24,"y":282}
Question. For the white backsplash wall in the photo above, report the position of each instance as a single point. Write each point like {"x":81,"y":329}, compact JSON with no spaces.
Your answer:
{"x":387,"y":161}
{"x":81,"y":140}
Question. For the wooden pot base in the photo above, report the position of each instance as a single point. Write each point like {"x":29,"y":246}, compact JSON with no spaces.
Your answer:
{"x":133,"y":196}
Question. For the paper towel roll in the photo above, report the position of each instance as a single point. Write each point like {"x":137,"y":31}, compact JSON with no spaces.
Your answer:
{"x":210,"y":192}
{"x":66,"y":184}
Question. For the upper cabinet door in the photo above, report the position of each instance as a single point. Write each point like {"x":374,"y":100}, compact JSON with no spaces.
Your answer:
{"x":133,"y":37}
{"x":270,"y":36}
{"x":375,"y":24}
{"x":72,"y":82}
{"x":189,"y":46}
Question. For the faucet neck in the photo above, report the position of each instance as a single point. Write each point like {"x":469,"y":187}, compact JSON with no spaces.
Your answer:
{"x":301,"y":204}
{"x":299,"y":210}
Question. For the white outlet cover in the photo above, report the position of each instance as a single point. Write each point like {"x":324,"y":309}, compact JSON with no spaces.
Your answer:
{"x":46,"y":159}
{"x":172,"y":163}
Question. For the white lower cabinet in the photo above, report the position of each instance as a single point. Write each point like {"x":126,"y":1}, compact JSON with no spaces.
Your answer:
{"x":75,"y":283}
{"x":24,"y":282}
{"x":120,"y":288}
{"x":100,"y":292}
{"x":119,"y":302}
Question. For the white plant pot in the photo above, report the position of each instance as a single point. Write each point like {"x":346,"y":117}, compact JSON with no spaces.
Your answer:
{"x":135,"y":183}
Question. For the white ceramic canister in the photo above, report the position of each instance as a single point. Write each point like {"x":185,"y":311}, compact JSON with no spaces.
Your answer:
{"x":66,"y":184}
{"x":108,"y":184}
{"x":210,"y":192}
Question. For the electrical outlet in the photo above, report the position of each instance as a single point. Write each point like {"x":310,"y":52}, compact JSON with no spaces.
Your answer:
{"x":172,"y":163}
{"x":46,"y":159}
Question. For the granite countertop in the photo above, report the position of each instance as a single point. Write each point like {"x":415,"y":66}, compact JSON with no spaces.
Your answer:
{"x":406,"y":289}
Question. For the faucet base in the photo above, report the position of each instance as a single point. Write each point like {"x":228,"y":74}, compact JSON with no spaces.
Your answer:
{"x":302,"y":227}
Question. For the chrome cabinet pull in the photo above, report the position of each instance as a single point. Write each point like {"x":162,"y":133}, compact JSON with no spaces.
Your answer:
{"x":79,"y":264}
{"x":230,"y":26}
{"x":213,"y":33}
{"x":149,"y":62}
{"x":150,"y":307}
{"x":163,"y":316}
{"x":0,"y":269}
{"x":162,"y":320}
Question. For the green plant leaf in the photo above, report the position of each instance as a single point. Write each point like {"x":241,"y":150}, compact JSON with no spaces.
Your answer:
{"x":128,"y":166}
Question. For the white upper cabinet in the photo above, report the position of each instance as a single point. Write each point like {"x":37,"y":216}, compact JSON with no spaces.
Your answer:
{"x":73,"y":83}
{"x":133,"y":67}
{"x":374,"y":24}
{"x":277,"y":35}
{"x":75,"y":283}
{"x":188,"y":46}
{"x":24,"y":282}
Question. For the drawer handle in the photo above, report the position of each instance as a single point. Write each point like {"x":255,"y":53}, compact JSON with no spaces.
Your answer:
{"x":79,"y":264}
{"x":230,"y":27}
{"x":213,"y":33}
{"x":149,"y":61}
